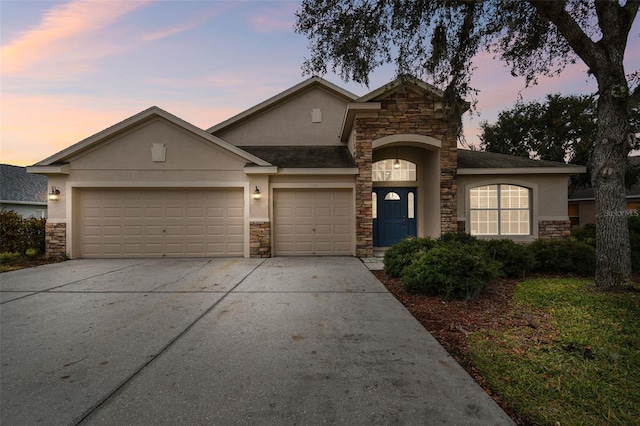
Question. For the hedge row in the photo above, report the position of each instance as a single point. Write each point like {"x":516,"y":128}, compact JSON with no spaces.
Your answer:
{"x":460,"y":265}
{"x":18,"y":235}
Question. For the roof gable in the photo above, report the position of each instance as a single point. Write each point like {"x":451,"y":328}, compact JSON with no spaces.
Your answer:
{"x":151,"y":113}
{"x":281,"y":98}
{"x":400,"y":82}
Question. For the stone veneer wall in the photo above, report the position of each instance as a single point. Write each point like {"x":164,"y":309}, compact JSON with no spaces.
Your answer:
{"x":402,"y":112}
{"x":55,"y":240}
{"x":259,"y":239}
{"x":554,"y":229}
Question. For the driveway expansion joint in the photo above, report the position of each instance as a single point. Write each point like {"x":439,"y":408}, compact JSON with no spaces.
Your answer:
{"x":85,"y":416}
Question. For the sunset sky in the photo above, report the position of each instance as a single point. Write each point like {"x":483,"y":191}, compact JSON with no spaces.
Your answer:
{"x":69,"y":69}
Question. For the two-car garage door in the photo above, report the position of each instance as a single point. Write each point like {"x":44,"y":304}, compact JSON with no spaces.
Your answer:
{"x":157,"y":223}
{"x":313,"y":222}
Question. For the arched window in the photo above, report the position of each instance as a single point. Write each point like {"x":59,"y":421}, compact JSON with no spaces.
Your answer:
{"x":500,"y":210}
{"x":394,"y":170}
{"x":392,"y":196}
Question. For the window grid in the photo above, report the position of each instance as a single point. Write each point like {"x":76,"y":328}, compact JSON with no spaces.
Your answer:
{"x":500,"y":210}
{"x":383,"y":171}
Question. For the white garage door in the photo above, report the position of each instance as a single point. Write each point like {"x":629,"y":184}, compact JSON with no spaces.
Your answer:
{"x":157,"y":223}
{"x":313,"y":222}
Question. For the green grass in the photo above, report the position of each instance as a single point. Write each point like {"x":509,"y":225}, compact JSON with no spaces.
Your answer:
{"x":579,"y":366}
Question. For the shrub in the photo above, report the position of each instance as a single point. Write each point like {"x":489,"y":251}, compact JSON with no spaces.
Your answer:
{"x":451,"y":270}
{"x":585,"y":234}
{"x":399,"y":256}
{"x":516,"y":259}
{"x":7,"y":257}
{"x":19,"y":235}
{"x":564,"y":256}
{"x":458,"y":238}
{"x":31,"y":252}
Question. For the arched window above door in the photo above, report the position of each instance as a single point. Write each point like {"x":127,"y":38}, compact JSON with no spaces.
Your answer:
{"x":392,"y":170}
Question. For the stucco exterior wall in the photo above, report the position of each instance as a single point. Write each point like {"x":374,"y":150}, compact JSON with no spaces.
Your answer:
{"x":290,"y":123}
{"x":549,"y":195}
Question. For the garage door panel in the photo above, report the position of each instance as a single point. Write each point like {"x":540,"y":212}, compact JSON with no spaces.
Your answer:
{"x":153,"y":223}
{"x":342,"y":229}
{"x":313,"y":222}
{"x":235,"y":212}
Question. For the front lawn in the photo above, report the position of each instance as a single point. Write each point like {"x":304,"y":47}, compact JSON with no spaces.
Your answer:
{"x":550,"y":351}
{"x":576,"y":362}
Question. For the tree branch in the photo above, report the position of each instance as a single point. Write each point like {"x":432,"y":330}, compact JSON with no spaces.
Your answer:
{"x":554,"y":11}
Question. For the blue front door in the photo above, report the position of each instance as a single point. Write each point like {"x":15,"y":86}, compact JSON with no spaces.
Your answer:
{"x":395,"y":217}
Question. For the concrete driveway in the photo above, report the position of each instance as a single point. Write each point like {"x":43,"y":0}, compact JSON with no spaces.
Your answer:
{"x":282,"y":341}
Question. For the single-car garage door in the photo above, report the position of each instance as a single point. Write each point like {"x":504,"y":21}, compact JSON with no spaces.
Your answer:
{"x":313,"y":222}
{"x":157,"y":223}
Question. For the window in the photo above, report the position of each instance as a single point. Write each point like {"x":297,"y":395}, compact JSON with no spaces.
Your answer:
{"x":500,"y":210}
{"x":374,"y":205}
{"x":411,"y":206}
{"x":392,"y":196}
{"x":385,"y":171}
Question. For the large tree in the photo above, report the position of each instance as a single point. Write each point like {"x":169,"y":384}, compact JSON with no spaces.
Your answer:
{"x":438,"y":39}
{"x":560,"y":128}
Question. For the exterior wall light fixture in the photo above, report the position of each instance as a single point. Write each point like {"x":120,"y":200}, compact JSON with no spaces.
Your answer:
{"x":396,"y":164}
{"x":54,"y":195}
{"x":256,"y":194}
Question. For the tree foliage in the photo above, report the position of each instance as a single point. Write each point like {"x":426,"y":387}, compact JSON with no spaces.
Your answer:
{"x":562,"y":128}
{"x":437,"y":40}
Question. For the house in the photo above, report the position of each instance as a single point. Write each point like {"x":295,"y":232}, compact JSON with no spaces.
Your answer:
{"x":314,"y":170}
{"x":24,"y":193}
{"x":582,"y":202}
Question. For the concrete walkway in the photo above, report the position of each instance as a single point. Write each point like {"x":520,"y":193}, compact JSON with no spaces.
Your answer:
{"x":282,"y":341}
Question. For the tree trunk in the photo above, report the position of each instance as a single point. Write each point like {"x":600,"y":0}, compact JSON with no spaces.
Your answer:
{"x":608,"y":160}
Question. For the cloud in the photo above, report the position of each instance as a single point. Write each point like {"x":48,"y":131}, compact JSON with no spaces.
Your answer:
{"x":275,"y":20}
{"x":218,"y":9}
{"x":60,"y":31}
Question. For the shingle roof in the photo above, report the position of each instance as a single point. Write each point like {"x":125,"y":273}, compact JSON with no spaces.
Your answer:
{"x":490,"y":160}
{"x":18,"y":185}
{"x":314,"y":157}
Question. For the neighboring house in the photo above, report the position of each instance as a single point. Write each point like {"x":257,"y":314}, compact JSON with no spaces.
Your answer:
{"x":22,"y":192}
{"x":314,"y":170}
{"x":582,"y":203}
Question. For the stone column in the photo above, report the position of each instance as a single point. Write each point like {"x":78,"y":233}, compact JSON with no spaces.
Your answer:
{"x":56,"y":240}
{"x":259,"y":239}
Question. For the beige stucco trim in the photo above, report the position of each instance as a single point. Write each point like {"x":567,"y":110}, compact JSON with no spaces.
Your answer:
{"x":525,"y":171}
{"x":312,"y":185}
{"x":408,"y":139}
{"x":352,"y":110}
{"x":328,"y":171}
{"x":553,"y":217}
{"x":264,"y":170}
{"x":64,"y":169}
